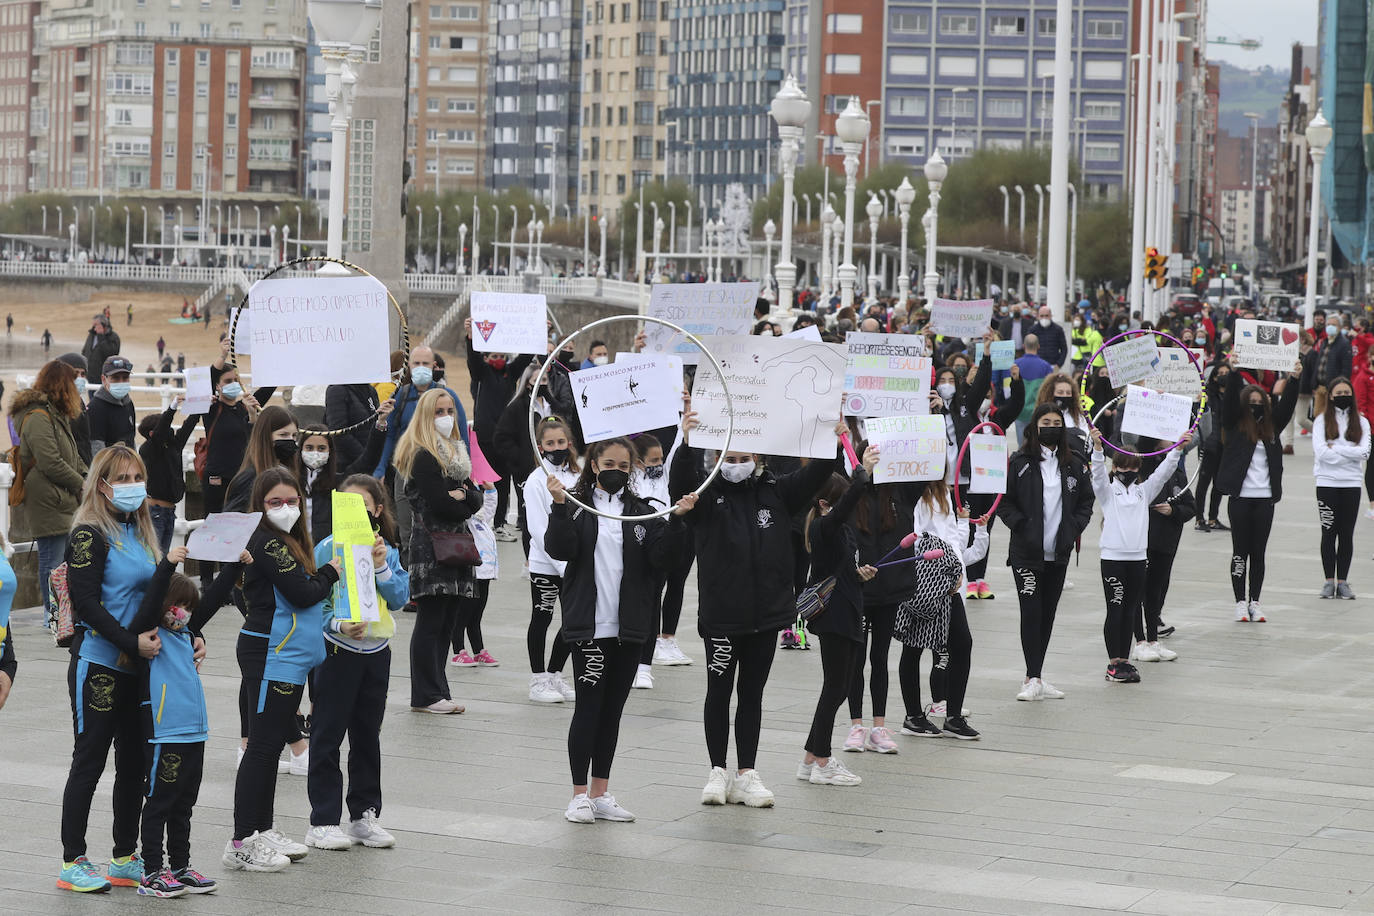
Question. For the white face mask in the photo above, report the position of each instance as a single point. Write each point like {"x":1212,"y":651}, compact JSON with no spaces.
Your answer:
{"x":945,"y":390}
{"x":737,"y":473}
{"x":1045,"y":322}
{"x":284,"y":518}
{"x":444,"y":425}
{"x":600,"y":360}
{"x":314,"y":459}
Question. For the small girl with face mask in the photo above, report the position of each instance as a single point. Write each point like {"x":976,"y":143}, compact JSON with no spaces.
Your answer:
{"x":558,"y":459}
{"x":320,"y":471}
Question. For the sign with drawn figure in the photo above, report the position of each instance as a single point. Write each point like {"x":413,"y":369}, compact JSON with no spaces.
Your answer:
{"x":1269,"y":345}
{"x":987,"y":453}
{"x":623,"y":398}
{"x":1156,"y":414}
{"x":909,"y":448}
{"x":510,"y":323}
{"x":961,"y":318}
{"x":887,"y":375}
{"x":1176,"y":373}
{"x":222,"y":537}
{"x":320,"y":331}
{"x":623,"y":358}
{"x":199,"y":394}
{"x":703,"y":309}
{"x":353,"y":537}
{"x":1131,"y":360}
{"x":786,"y":395}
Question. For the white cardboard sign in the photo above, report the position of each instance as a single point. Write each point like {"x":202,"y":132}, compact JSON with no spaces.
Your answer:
{"x":703,"y":309}
{"x":222,"y":537}
{"x":510,"y":323}
{"x":320,"y":331}
{"x":1269,"y":345}
{"x":961,"y":318}
{"x":623,"y":398}
{"x":909,"y":448}
{"x":888,"y":375}
{"x":1131,"y":360}
{"x":987,"y":454}
{"x":1176,"y":373}
{"x":1156,"y":414}
{"x":199,"y":394}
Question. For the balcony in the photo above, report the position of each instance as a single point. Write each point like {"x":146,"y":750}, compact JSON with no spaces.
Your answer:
{"x":277,"y":103}
{"x":81,"y":128}
{"x":81,"y":99}
{"x":38,"y":75}
{"x":280,"y":132}
{"x":81,"y":68}
{"x":259,"y":70}
{"x":271,"y":165}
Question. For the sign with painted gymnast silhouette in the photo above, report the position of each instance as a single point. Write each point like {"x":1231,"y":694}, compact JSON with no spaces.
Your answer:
{"x":909,"y":448}
{"x":630,"y":397}
{"x":786,"y":395}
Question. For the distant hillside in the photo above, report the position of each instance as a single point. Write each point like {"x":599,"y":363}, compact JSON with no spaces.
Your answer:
{"x":1259,"y":90}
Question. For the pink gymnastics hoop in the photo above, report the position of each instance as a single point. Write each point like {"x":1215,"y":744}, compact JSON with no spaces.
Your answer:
{"x":959,"y":462}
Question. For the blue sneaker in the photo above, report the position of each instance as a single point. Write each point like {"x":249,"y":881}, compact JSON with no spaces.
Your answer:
{"x":81,"y":876}
{"x":126,"y":872}
{"x":162,"y":884}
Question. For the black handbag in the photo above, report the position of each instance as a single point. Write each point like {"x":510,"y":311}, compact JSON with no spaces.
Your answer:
{"x":455,"y":548}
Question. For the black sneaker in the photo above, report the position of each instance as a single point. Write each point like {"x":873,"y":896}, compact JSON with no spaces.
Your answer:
{"x":1123,"y":673}
{"x":1200,"y":525}
{"x":1165,"y":632}
{"x":161,"y":884}
{"x":957,"y":727}
{"x":195,"y":882}
{"x":1133,"y":673}
{"x":920,"y":727}
{"x":1218,"y":526}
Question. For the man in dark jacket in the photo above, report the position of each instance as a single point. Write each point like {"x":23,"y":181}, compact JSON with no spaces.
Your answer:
{"x":112,"y":410}
{"x":345,"y":406}
{"x":1053,"y":347}
{"x":81,"y":425}
{"x":493,"y":378}
{"x":101,"y":344}
{"x":1016,"y":326}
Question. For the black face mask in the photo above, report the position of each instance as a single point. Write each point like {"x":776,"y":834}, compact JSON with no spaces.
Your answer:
{"x":376,"y":522}
{"x":1126,"y":477}
{"x":612,"y":480}
{"x":654,"y":472}
{"x":1065,"y":402}
{"x":1343,"y":401}
{"x":284,"y":449}
{"x":960,"y":372}
{"x":566,"y":357}
{"x":438,"y":375}
{"x":1257,"y":411}
{"x":558,"y":456}
{"x":1051,"y":436}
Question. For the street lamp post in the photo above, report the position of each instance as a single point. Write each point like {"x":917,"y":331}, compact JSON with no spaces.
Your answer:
{"x":514,"y":221}
{"x":875,"y":211}
{"x":539,"y":246}
{"x":837,"y":240}
{"x":1021,"y":233}
{"x":852,"y":128}
{"x":439,"y":239}
{"x":1006,"y":228}
{"x":1254,"y":179}
{"x":462,"y":246}
{"x":935,"y":171}
{"x":1039,"y":224}
{"x":906,"y":196}
{"x":769,"y":230}
{"x":790,"y":109}
{"x":827,"y":224}
{"x":1073,"y":246}
{"x":659,"y":226}
{"x":601,"y":259}
{"x":1318,"y":138}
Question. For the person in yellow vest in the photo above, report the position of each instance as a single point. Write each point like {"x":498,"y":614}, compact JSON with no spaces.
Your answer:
{"x":398,"y":364}
{"x":1086,"y":340}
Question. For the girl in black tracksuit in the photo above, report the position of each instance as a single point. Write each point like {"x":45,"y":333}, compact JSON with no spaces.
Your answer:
{"x":1251,"y":474}
{"x":1172,"y":509}
{"x":1048,"y":503}
{"x":1209,"y":454}
{"x":743,"y":538}
{"x":604,"y":628}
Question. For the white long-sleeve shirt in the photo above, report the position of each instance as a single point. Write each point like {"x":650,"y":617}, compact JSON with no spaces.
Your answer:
{"x":944,"y":524}
{"x":1126,"y":510}
{"x":537,"y":506}
{"x":1052,"y":492}
{"x":1338,"y":462}
{"x":609,"y":563}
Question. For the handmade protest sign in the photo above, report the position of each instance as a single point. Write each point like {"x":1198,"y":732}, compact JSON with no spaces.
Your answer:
{"x":320,"y":331}
{"x":222,"y":537}
{"x":199,"y":394}
{"x":1265,"y":345}
{"x":1003,"y":354}
{"x":961,"y":318}
{"x":242,"y":323}
{"x":510,"y":323}
{"x":624,"y":398}
{"x":1176,"y":374}
{"x":1156,"y":414}
{"x":353,"y":538}
{"x":909,"y":448}
{"x":810,"y":332}
{"x":987,"y":463}
{"x":1131,"y":360}
{"x":786,"y":395}
{"x":671,"y":359}
{"x":721,"y":309}
{"x":887,"y":375}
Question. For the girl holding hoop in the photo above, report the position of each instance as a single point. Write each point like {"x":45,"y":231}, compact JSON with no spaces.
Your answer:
{"x":609,"y":587}
{"x":558,"y":458}
{"x":1251,"y":474}
{"x":1340,"y":446}
{"x":1048,"y":503}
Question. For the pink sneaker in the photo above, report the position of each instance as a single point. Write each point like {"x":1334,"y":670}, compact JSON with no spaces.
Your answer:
{"x":855,"y":741}
{"x":484,"y":658}
{"x":880,"y":741}
{"x":464,"y":660}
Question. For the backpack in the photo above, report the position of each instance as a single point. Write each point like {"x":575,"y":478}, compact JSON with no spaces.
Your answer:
{"x":12,"y":456}
{"x":202,"y":448}
{"x":61,"y":620}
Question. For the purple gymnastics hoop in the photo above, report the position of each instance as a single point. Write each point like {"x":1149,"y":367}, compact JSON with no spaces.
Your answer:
{"x":1087,"y":412}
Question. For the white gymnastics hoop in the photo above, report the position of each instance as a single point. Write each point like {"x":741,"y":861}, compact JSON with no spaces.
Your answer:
{"x":729,"y":409}
{"x":1122,"y":398}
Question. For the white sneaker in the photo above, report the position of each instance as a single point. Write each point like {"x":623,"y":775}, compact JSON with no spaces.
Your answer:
{"x":1031,"y":690}
{"x":580,"y":810}
{"x":1242,"y":612}
{"x":804,"y":770}
{"x":329,"y":836}
{"x":507,"y":534}
{"x":748,"y":789}
{"x":1050,"y":692}
{"x":1146,"y":652}
{"x":663,"y":654}
{"x":605,"y":808}
{"x":1130,"y":656}
{"x":283,"y":844}
{"x":1068,"y":586}
{"x":1165,"y":654}
{"x":1256,"y":615}
{"x":565,"y":690}
{"x":717,"y":784}
{"x":299,"y":766}
{"x":644,"y":679}
{"x":367,"y":831}
{"x":936,"y":709}
{"x":253,"y":855}
{"x":543,"y":691}
{"x":833,"y":773}
{"x":679,"y":658}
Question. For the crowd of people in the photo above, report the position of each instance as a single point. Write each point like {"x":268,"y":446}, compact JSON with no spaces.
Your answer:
{"x":788,"y":552}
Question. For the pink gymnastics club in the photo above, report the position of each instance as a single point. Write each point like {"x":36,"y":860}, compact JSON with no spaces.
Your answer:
{"x":906,"y":542}
{"x":849,"y":450}
{"x":928,"y":555}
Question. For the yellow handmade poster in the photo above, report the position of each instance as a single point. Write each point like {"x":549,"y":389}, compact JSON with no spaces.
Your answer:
{"x":353,"y":537}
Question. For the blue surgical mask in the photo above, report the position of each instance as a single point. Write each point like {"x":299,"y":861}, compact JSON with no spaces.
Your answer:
{"x":119,"y":389}
{"x":421,"y":376}
{"x":81,"y":385}
{"x":1331,"y":330}
{"x":233,"y":391}
{"x":127,"y":497}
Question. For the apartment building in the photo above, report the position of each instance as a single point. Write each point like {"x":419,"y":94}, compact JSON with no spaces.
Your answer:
{"x":17,"y":77}
{"x":447,"y":126}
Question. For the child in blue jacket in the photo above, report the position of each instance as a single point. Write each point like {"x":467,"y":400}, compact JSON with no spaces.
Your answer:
{"x":350,"y":688}
{"x":175,"y":721}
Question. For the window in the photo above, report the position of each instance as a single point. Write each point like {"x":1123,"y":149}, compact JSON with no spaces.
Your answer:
{"x":950,"y":65}
{"x":464,"y":13}
{"x":1006,"y":108}
{"x":1101,"y":152}
{"x":910,"y":23}
{"x":231,"y":59}
{"x":844,"y":24}
{"x":275,"y":59}
{"x":434,"y":42}
{"x":140,"y":28}
{"x":129,"y":83}
{"x":235,"y":30}
{"x":172,"y":57}
{"x":169,"y":179}
{"x":202,"y":89}
{"x":907,"y":106}
{"x":643,"y":147}
{"x":174,"y":29}
{"x":462,"y":136}
{"x":908,"y":65}
{"x":1006,"y":26}
{"x":459,"y":43}
{"x":123,"y":117}
{"x":231,"y":120}
{"x":138,"y":54}
{"x":1102,"y":70}
{"x":431,"y":134}
{"x":644,"y":78}
{"x":169,"y":150}
{"x":1044,"y":68}
{"x":1006,"y":67}
{"x":907,"y":146}
{"x":1102,"y":111}
{"x":132,"y":147}
{"x":957,"y":106}
{"x":231,"y":151}
{"x":431,"y":104}
{"x":842,"y":63}
{"x":436,"y":12}
{"x":202,"y":58}
{"x":1003,"y":142}
{"x":462,"y":74}
{"x":231,"y":90}
{"x":1045,"y":28}
{"x":462,"y":106}
{"x":958,"y":25}
{"x":431,"y":166}
{"x":1106,"y":28}
{"x":205,"y":30}
{"x":644,"y":112}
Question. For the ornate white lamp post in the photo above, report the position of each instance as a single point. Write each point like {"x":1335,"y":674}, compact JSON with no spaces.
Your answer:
{"x":769,"y":230}
{"x":790,"y":110}
{"x":852,"y":129}
{"x":875,"y":211}
{"x":935,"y":170}
{"x":1318,"y":138}
{"x":906,"y":196}
{"x":827,"y":223}
{"x":462,"y":246}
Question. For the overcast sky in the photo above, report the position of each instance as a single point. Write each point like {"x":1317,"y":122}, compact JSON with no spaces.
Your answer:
{"x":1278,"y":23}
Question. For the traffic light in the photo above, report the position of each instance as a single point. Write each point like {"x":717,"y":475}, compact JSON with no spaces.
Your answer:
{"x":1156,"y":267}
{"x":1197,"y":275}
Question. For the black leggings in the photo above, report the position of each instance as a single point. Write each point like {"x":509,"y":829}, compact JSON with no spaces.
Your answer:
{"x":978,"y":503}
{"x":667,"y":602}
{"x":1208,"y":465}
{"x":909,"y":678}
{"x":1159,"y":566}
{"x":1369,"y":480}
{"x":1038,"y":591}
{"x":543,"y":595}
{"x":603,"y":670}
{"x":469,"y":624}
{"x":255,"y":788}
{"x":839,"y":657}
{"x":174,"y":772}
{"x":880,"y":619}
{"x":1337,"y":508}
{"x":959,"y":648}
{"x":1123,"y":584}
{"x":752,"y":656}
{"x":105,"y":711}
{"x":1251,"y":521}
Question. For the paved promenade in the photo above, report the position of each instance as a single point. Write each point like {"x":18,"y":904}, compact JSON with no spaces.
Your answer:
{"x":1236,"y":780}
